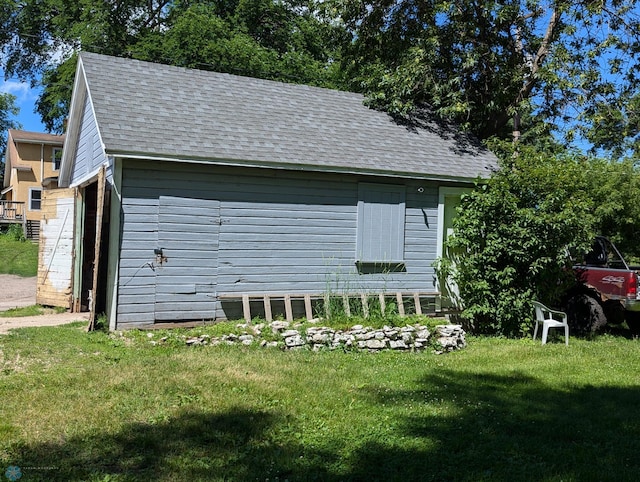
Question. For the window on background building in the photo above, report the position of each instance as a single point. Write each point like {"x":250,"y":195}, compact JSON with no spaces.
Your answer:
{"x":35,"y":199}
{"x":380,"y":237}
{"x":56,"y":158}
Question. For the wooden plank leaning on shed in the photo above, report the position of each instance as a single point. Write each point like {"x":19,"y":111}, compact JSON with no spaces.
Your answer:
{"x":307,"y":297}
{"x":102,"y":182}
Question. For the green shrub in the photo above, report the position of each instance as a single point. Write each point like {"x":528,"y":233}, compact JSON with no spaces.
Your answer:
{"x":15,"y":233}
{"x":512,"y":236}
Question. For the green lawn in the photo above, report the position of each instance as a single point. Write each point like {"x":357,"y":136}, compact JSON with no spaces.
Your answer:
{"x":18,"y":257}
{"x":78,"y":406}
{"x":33,"y":310}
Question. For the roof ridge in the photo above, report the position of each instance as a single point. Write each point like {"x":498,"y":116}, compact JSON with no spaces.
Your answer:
{"x":218,"y":73}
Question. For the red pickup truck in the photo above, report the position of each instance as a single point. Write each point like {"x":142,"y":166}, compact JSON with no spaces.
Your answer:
{"x":607,"y":291}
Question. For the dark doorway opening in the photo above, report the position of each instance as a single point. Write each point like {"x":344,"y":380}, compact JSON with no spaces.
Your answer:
{"x":90,"y":199}
{"x":94,"y":297}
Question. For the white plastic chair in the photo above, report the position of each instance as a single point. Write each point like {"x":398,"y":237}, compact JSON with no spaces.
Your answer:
{"x":550,"y":319}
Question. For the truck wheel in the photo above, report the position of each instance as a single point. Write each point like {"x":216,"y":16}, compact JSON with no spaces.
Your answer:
{"x":614,"y":312}
{"x":633,"y":322}
{"x":585,"y":315}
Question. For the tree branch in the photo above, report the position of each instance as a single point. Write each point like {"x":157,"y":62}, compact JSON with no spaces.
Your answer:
{"x":536,"y":62}
{"x":542,"y":52}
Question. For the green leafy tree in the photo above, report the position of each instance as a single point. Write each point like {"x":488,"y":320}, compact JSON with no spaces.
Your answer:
{"x":261,"y":39}
{"x":494,"y":66}
{"x":615,"y":188}
{"x":40,"y":37}
{"x":513,"y":233}
{"x":289,"y":40}
{"x":8,"y":111}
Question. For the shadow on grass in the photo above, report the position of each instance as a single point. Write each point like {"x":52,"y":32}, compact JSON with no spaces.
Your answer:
{"x":512,"y":428}
{"x":477,"y":427}
{"x":193,"y":446}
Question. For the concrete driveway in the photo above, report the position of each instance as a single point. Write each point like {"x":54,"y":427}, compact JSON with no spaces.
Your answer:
{"x":17,"y":292}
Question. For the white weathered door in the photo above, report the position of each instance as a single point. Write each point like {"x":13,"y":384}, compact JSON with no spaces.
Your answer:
{"x":55,"y":258}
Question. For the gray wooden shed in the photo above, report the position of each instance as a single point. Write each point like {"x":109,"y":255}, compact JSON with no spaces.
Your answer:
{"x":217,"y":187}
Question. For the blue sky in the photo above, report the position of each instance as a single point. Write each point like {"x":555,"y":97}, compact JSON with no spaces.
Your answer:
{"x":25,"y":99}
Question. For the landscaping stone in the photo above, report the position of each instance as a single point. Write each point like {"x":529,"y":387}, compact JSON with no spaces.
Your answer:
{"x":389,"y":333}
{"x":278,"y":326}
{"x":375,"y":344}
{"x":445,"y":338}
{"x":294,"y":341}
{"x":397,"y":345}
{"x":450,"y":337}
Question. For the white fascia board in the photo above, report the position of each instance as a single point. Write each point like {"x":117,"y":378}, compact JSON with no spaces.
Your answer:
{"x":91,"y":176}
{"x":73,"y":127}
{"x":81,"y":93}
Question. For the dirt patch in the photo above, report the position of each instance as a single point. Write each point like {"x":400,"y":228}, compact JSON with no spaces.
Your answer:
{"x":16,"y":292}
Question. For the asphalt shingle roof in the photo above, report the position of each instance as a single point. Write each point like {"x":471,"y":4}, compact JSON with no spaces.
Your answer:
{"x":163,"y":111}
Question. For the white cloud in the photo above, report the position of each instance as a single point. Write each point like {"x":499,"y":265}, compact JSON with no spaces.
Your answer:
{"x":22,"y":90}
{"x":26,"y":97}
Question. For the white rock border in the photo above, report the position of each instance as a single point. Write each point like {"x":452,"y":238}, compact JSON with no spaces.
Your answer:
{"x":445,"y":338}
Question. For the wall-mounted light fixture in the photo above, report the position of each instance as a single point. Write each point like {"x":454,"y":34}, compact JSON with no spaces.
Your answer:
{"x":160,"y":257}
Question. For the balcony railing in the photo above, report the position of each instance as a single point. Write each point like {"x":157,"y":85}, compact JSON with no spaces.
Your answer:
{"x":12,"y":211}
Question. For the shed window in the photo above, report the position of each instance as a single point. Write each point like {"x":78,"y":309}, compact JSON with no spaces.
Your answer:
{"x":380,"y":237}
{"x":35,"y":198}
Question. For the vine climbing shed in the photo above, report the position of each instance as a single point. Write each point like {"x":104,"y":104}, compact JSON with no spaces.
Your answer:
{"x":201,"y":193}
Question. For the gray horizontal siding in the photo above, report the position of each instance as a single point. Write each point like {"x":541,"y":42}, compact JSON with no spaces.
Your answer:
{"x":137,"y":276}
{"x":287,"y":233}
{"x":90,"y":153}
{"x":303,"y":228}
{"x":421,"y":229}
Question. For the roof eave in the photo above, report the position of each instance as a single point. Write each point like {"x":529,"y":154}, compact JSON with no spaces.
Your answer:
{"x":29,"y":137}
{"x":35,"y":142}
{"x":298,"y":167}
